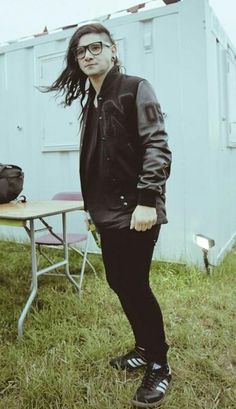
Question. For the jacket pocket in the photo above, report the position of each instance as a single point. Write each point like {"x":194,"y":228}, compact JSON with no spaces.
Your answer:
{"x":125,"y":163}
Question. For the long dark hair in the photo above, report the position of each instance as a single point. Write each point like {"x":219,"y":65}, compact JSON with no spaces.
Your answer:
{"x":72,"y":81}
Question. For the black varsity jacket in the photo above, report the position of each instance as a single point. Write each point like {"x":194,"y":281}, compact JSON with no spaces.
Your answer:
{"x":136,"y":158}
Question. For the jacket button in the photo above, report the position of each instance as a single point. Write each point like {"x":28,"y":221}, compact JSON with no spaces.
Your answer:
{"x":100,"y":117}
{"x":122,"y":197}
{"x":125,"y":204}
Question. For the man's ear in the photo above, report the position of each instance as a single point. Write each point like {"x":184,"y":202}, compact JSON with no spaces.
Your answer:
{"x":114,"y":50}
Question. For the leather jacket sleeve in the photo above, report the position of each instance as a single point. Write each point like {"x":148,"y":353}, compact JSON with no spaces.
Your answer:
{"x":156,"y":155}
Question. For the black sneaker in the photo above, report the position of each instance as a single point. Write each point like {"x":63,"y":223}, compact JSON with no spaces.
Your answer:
{"x":154,"y":386}
{"x":132,"y":360}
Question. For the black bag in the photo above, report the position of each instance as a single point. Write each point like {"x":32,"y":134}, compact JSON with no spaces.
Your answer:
{"x":11,"y":182}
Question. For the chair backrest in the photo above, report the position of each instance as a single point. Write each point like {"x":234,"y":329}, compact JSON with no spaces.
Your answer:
{"x":68,"y":196}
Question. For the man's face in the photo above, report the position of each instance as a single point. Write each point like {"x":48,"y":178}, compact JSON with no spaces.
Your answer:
{"x":95,"y":65}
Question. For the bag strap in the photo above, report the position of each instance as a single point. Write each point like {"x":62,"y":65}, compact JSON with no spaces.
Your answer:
{"x":4,"y":166}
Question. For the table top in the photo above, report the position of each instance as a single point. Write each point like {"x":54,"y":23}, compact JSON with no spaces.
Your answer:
{"x":35,"y":209}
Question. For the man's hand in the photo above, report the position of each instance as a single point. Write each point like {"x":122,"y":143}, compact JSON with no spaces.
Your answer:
{"x":143,"y":218}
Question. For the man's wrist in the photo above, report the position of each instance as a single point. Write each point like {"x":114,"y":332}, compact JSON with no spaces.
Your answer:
{"x":147,"y":198}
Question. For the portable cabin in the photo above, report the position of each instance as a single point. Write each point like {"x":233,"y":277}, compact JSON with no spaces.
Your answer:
{"x":184,"y":52}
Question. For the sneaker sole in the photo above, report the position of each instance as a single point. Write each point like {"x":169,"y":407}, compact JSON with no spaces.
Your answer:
{"x":146,"y":405}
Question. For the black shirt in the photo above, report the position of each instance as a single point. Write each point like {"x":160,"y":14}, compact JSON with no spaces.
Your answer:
{"x":97,"y":201}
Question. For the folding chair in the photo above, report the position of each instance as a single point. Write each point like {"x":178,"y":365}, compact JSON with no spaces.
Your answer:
{"x":55,"y":239}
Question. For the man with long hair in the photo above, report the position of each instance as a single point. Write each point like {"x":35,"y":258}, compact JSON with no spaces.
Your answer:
{"x":124,"y":164}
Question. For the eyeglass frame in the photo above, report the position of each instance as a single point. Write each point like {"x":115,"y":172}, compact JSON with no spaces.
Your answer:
{"x":86,"y":47}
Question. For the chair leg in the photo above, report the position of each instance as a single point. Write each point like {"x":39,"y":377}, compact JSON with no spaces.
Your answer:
{"x":41,"y":253}
{"x":85,"y":260}
{"x":83,"y":253}
{"x":72,"y":280}
{"x":66,"y":269}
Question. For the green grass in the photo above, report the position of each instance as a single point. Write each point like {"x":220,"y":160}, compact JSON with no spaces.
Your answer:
{"x":62,"y":360}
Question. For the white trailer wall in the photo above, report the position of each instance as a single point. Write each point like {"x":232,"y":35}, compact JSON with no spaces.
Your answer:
{"x":182,"y":50}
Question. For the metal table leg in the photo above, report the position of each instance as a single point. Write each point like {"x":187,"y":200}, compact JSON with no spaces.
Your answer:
{"x":34,"y":287}
{"x":66,"y":254}
{"x":35,"y":273}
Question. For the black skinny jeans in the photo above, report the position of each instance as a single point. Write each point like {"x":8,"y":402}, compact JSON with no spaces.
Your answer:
{"x":127,"y":256}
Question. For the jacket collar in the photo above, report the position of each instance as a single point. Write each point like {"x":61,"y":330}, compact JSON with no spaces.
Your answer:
{"x":107,"y":82}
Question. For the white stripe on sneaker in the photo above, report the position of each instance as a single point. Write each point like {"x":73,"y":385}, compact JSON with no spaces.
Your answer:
{"x":160,"y":389}
{"x":134,"y":362}
{"x":165,"y":382}
{"x":141,"y":361}
{"x":162,"y":386}
{"x":131,"y":363}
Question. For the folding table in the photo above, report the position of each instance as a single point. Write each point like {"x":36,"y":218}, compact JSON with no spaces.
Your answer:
{"x":25,"y":215}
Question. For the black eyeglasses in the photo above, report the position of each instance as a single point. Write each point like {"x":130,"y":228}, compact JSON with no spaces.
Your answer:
{"x":94,"y":48}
